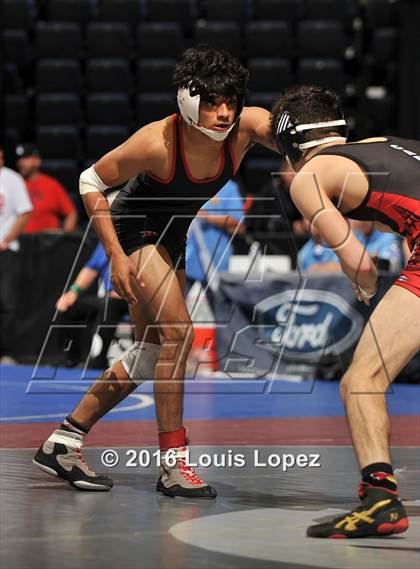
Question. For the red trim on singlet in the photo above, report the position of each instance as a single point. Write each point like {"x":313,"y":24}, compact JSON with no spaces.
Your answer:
{"x":169,"y":179}
{"x":184,"y":161}
{"x":388,"y":203}
{"x":232,"y":156}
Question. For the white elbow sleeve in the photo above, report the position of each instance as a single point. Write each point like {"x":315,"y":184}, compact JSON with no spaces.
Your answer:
{"x":89,"y":181}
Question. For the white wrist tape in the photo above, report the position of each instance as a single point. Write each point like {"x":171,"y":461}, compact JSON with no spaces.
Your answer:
{"x":89,"y":181}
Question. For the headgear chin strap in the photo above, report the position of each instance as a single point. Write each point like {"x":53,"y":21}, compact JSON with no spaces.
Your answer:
{"x":290,"y":140}
{"x":189,"y":106}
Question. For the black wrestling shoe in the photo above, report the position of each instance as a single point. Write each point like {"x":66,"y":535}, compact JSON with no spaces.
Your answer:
{"x":177,"y":478}
{"x":60,"y":456}
{"x":380,"y":514}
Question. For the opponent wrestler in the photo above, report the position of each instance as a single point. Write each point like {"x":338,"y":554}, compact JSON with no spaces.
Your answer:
{"x":375,"y":179}
{"x":171,"y":168}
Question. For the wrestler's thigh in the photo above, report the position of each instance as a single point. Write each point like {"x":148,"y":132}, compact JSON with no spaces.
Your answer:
{"x":390,"y":339}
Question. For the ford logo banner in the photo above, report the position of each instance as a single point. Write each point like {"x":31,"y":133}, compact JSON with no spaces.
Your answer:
{"x":308,"y":324}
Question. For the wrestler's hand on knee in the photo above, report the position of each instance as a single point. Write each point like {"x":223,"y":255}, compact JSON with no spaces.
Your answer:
{"x":122,"y":268}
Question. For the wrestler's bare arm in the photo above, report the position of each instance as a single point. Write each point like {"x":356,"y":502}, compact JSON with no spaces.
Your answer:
{"x":142,"y":151}
{"x":311,"y":190}
{"x":255,"y":127}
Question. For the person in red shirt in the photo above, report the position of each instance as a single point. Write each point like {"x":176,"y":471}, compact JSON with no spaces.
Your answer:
{"x":53,"y":209}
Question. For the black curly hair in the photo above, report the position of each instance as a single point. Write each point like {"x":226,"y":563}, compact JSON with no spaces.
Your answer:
{"x":309,"y":104}
{"x":210,"y":71}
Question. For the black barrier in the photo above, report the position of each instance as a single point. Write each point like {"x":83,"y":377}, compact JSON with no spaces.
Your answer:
{"x":290,"y":325}
{"x":47,"y":261}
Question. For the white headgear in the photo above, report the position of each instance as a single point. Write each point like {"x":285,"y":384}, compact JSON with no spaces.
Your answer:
{"x":189,"y":106}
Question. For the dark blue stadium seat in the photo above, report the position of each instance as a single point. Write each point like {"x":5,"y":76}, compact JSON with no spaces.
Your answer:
{"x":158,"y":39}
{"x":233,"y":10}
{"x":78,"y":11}
{"x":342,"y":10}
{"x":17,"y":14}
{"x":108,"y":109}
{"x":224,"y":35}
{"x":278,"y":9}
{"x":268,"y":39}
{"x":58,"y":142}
{"x":101,"y":139}
{"x":324,"y":72}
{"x":155,"y":75}
{"x":269,"y":74}
{"x":11,"y":80}
{"x":15,"y":46}
{"x":58,"y":76}
{"x":321,"y":38}
{"x":58,"y":108}
{"x":108,"y":75}
{"x":381,"y":13}
{"x":58,"y":39}
{"x":154,"y":106}
{"x":264,"y":99}
{"x":128,"y":11}
{"x":384,"y":45}
{"x":105,"y":39}
{"x":181,"y":11}
{"x":65,"y":171}
{"x":15,"y":111}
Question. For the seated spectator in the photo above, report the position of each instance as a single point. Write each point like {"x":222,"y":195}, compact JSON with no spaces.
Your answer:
{"x":385,"y":247}
{"x":15,"y":211}
{"x":74,"y":308}
{"x":53,"y":209}
{"x":216,"y":221}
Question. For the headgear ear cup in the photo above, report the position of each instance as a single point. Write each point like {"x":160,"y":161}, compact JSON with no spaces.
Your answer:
{"x":290,"y":139}
{"x":189,"y":106}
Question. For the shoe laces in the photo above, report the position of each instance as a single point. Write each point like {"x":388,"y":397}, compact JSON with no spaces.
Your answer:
{"x":82,"y":459}
{"x":187,"y":472}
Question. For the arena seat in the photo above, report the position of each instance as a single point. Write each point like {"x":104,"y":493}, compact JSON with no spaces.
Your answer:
{"x":264,"y":99}
{"x":155,"y":74}
{"x":233,"y":10}
{"x":101,"y":139}
{"x":108,"y":75}
{"x":381,"y":13}
{"x":321,"y":38}
{"x":58,"y":142}
{"x":384,"y":45}
{"x":17,"y":14}
{"x":108,"y":109}
{"x":15,"y":111}
{"x":325,"y":72}
{"x":105,"y":39}
{"x":157,"y":39}
{"x":181,"y":11}
{"x":342,"y":10}
{"x":12,"y":82}
{"x":66,"y":171}
{"x":278,"y":9}
{"x":16,"y":47}
{"x":58,"y":76}
{"x":58,"y":39}
{"x":128,"y":11}
{"x":268,"y":39}
{"x":269,"y":73}
{"x":224,"y":35}
{"x":58,"y":108}
{"x":154,"y":106}
{"x":77,"y":11}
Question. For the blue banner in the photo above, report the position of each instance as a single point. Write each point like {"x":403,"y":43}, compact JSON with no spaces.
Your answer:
{"x":307,"y":327}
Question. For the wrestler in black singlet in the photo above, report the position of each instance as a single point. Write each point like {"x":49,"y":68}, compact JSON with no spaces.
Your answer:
{"x":148,"y":210}
{"x":393,"y":197}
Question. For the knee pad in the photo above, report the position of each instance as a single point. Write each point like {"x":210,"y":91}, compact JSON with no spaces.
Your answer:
{"x":139,"y":361}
